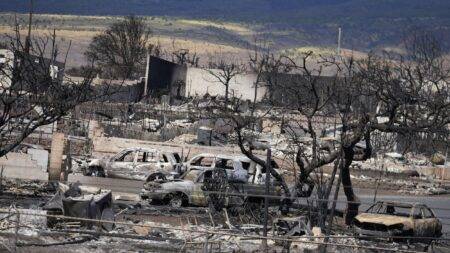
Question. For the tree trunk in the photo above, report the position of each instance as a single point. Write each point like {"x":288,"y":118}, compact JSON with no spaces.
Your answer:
{"x":353,"y":201}
{"x":226,"y":94}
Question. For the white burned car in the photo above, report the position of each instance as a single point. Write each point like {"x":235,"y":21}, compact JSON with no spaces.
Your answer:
{"x":245,"y":175}
{"x":135,"y":164}
{"x":206,"y":161}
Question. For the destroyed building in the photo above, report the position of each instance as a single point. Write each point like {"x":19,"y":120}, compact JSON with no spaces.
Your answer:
{"x":181,"y":81}
{"x":28,"y":69}
{"x":166,"y":78}
{"x":173,"y":173}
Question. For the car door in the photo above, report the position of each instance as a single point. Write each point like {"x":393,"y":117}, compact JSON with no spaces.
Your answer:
{"x":202,"y":163}
{"x":198,"y":196}
{"x":433,"y":225}
{"x":145,"y":163}
{"x":252,"y":171}
{"x":424,"y":224}
{"x":166,"y":162}
{"x":123,"y":161}
{"x":122,"y":164}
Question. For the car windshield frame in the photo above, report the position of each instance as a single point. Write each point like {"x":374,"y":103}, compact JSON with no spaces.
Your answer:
{"x":192,"y":171}
{"x":122,"y":155}
{"x":388,"y":208}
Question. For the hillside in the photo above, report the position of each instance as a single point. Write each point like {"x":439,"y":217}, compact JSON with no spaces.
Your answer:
{"x":205,"y":38}
{"x":367,"y":24}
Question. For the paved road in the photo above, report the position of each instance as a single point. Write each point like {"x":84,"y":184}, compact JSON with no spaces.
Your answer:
{"x":440,"y":204}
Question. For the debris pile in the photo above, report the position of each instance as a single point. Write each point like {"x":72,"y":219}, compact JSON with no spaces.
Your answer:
{"x":75,"y":201}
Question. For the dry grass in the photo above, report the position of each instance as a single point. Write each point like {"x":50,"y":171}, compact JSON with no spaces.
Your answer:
{"x":317,"y":51}
{"x":234,"y":27}
{"x":63,"y":33}
{"x":323,"y":52}
{"x":198,"y":46}
{"x":170,"y":33}
{"x":81,"y":38}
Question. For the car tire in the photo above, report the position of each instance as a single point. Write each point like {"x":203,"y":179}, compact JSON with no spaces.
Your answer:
{"x":95,"y":171}
{"x":176,"y":201}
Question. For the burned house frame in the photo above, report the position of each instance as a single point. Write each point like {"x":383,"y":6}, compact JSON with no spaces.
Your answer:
{"x":23,"y":71}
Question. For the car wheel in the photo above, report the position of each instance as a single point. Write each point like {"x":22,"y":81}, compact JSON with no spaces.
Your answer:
{"x":95,"y":171}
{"x":176,"y":201}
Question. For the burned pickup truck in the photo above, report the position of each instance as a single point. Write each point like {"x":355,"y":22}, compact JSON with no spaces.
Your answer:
{"x":392,"y":220}
{"x":134,"y":164}
{"x":232,"y":183}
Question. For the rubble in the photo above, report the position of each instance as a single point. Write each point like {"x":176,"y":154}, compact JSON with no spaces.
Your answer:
{"x":26,"y":187}
{"x":71,"y":200}
{"x":292,"y":226}
{"x":185,"y":139}
{"x":421,"y":186}
{"x":425,"y":189}
{"x":197,"y":220}
{"x":438,"y":159}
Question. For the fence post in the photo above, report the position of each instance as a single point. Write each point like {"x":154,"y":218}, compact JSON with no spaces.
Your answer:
{"x":1,"y":180}
{"x":16,"y":232}
{"x":266,"y":199}
{"x":205,"y":247}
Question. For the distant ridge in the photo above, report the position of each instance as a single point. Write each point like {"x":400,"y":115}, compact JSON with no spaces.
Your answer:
{"x":367,"y":24}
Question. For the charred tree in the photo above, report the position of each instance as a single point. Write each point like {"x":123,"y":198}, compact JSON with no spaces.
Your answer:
{"x":33,"y":89}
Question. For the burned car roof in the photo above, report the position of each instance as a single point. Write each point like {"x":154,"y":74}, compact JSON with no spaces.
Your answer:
{"x":385,"y":219}
{"x":400,"y":204}
{"x":221,"y":156}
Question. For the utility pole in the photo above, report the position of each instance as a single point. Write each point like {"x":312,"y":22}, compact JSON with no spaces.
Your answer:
{"x":52,"y":69}
{"x":53,"y":47}
{"x":147,"y":72}
{"x":30,"y":22}
{"x":339,"y":42}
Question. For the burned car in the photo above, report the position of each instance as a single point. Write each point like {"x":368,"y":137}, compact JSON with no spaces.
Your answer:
{"x":135,"y":164}
{"x":194,"y":186}
{"x":393,"y":219}
{"x":256,"y":174}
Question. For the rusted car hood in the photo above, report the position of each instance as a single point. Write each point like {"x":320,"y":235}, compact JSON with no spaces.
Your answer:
{"x":384,"y":219}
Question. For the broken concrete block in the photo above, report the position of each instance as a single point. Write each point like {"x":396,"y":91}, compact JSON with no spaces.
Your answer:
{"x":317,"y":231}
{"x":56,"y":155}
{"x":204,"y":135}
{"x":127,"y":197}
{"x":21,"y":166}
{"x":40,"y":156}
{"x":143,"y":231}
{"x":437,"y":159}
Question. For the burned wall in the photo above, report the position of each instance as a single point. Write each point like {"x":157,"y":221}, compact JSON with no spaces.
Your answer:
{"x":291,"y":89}
{"x":6,"y":67}
{"x":120,"y":93}
{"x":201,"y":82}
{"x":166,"y":78}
